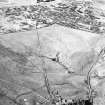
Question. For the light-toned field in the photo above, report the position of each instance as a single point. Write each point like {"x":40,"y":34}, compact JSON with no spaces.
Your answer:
{"x":65,"y":53}
{"x":54,"y":39}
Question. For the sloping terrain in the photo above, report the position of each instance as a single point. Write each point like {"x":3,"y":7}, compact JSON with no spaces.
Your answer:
{"x":55,"y":64}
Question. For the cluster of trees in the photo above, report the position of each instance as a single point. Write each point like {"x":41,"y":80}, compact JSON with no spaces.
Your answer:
{"x":44,"y":1}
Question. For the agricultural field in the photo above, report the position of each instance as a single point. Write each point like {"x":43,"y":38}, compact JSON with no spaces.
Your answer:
{"x":52,"y":54}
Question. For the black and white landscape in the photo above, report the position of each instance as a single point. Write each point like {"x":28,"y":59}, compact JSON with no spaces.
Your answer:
{"x":52,"y":53}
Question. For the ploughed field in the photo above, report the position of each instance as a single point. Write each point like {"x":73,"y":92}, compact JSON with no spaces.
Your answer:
{"x":77,"y":15}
